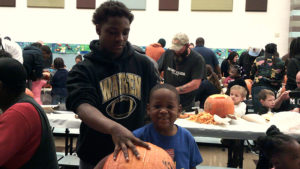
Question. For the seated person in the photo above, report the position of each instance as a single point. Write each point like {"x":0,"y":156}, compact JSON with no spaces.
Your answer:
{"x":26,"y":139}
{"x":238,"y":95}
{"x":163,"y":109}
{"x":267,"y":99}
{"x":236,"y":73}
{"x":278,"y":150}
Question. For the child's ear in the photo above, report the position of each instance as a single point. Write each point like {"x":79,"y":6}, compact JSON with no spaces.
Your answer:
{"x":148,"y":109}
{"x":179,"y":110}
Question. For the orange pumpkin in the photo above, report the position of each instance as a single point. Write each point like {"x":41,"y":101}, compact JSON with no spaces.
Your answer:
{"x":29,"y":92}
{"x":155,"y":158}
{"x":249,"y":85}
{"x":219,"y":104}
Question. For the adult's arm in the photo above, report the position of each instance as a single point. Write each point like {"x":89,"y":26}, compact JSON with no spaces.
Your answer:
{"x":291,"y":73}
{"x":188,"y":87}
{"x":284,"y":96}
{"x":253,"y":70}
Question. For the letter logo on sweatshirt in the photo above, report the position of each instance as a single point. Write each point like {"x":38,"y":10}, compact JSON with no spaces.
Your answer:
{"x":121,"y":90}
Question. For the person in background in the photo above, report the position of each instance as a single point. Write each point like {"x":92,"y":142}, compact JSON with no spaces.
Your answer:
{"x":155,"y":50}
{"x":236,"y":74}
{"x":247,"y":58}
{"x":183,"y":68}
{"x":33,"y":63}
{"x":109,"y":89}
{"x":78,"y":59}
{"x":267,"y":73}
{"x":208,"y":55}
{"x":278,"y":150}
{"x":164,"y":108}
{"x":26,"y":139}
{"x":208,"y":86}
{"x":47,"y":56}
{"x":13,"y":48}
{"x":267,"y":99}
{"x":231,"y":60}
{"x":191,"y":45}
{"x":293,"y":64}
{"x":58,"y":82}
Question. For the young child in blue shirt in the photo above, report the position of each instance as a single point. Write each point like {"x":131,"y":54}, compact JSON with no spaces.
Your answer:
{"x":164,"y":108}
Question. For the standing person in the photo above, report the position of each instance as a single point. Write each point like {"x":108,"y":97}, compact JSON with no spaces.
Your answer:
{"x":293,"y":64}
{"x":164,"y":108}
{"x":267,"y":73}
{"x":183,"y":68}
{"x":155,"y":50}
{"x":208,"y":55}
{"x":58,"y":82}
{"x":26,"y":139}
{"x":78,"y":59}
{"x":231,"y":60}
{"x":109,"y":89}
{"x":47,"y":56}
{"x":12,"y":48}
{"x":247,"y":58}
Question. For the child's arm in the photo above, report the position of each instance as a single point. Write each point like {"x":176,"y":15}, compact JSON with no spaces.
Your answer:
{"x":284,"y":96}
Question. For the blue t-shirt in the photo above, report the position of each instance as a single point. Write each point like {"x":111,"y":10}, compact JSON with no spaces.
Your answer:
{"x":181,"y":147}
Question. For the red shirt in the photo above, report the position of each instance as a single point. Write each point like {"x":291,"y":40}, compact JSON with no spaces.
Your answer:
{"x":20,"y":135}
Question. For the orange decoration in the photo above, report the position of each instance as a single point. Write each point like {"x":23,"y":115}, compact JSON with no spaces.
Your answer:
{"x":155,"y":158}
{"x":249,"y":85}
{"x":29,"y":92}
{"x":219,"y":104}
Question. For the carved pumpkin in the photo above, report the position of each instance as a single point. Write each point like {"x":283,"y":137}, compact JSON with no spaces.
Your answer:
{"x":29,"y":93}
{"x":155,"y":158}
{"x":219,"y":104}
{"x":249,"y":85}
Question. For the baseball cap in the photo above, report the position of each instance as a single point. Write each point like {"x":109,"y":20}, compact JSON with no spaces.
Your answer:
{"x":179,"y":40}
{"x":254,"y":51}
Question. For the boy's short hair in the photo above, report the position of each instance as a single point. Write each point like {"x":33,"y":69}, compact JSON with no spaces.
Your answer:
{"x":241,"y":89}
{"x":111,"y":8}
{"x":165,"y":86}
{"x":58,"y":63}
{"x":262,"y":95}
{"x":78,"y":57}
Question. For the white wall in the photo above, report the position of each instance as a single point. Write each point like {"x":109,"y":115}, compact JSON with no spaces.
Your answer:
{"x":236,"y":29}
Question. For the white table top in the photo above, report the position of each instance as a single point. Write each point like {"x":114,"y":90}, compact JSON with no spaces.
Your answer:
{"x":65,"y":119}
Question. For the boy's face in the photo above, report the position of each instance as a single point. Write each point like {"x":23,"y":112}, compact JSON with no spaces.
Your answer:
{"x":78,"y":60}
{"x":236,"y":96}
{"x":289,"y":159}
{"x":269,"y":102}
{"x":113,"y":34}
{"x":163,"y":109}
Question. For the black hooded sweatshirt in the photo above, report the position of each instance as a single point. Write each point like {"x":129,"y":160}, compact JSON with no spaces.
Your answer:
{"x":119,"y":88}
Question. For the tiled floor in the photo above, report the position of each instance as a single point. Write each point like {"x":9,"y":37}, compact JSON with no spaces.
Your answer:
{"x":212,"y":155}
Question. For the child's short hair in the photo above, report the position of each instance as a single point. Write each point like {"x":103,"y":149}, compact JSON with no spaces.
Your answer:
{"x":111,"y":9}
{"x":78,"y":57}
{"x":165,"y":86}
{"x":262,"y":95}
{"x":241,"y":89}
{"x":59,"y":63}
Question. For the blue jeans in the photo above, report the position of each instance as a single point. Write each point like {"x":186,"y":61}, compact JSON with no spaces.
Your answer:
{"x":254,"y":92}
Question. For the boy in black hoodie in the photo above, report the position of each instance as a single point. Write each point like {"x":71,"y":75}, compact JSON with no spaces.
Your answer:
{"x":108,"y":90}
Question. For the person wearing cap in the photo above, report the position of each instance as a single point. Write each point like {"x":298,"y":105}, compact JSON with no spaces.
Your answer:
{"x":155,"y":50}
{"x":208,"y":55}
{"x":183,"y":68}
{"x":267,"y":72}
{"x":26,"y":139}
{"x":247,"y":58}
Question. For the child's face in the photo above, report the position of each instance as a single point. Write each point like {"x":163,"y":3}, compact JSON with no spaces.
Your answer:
{"x":163,"y":109}
{"x":233,"y":73}
{"x":289,"y":159}
{"x":236,"y":96}
{"x":269,"y":102}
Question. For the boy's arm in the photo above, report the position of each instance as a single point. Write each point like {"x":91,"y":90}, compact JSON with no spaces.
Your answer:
{"x":284,"y":96}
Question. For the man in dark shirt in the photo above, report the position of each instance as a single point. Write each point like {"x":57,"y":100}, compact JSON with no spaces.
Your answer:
{"x":208,"y":55}
{"x":183,"y":68}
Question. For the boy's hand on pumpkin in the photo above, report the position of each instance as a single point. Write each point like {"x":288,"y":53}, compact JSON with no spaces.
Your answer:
{"x":124,"y":139}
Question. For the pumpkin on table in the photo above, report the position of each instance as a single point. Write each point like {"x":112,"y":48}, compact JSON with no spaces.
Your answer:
{"x":155,"y":158}
{"x":219,"y":104}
